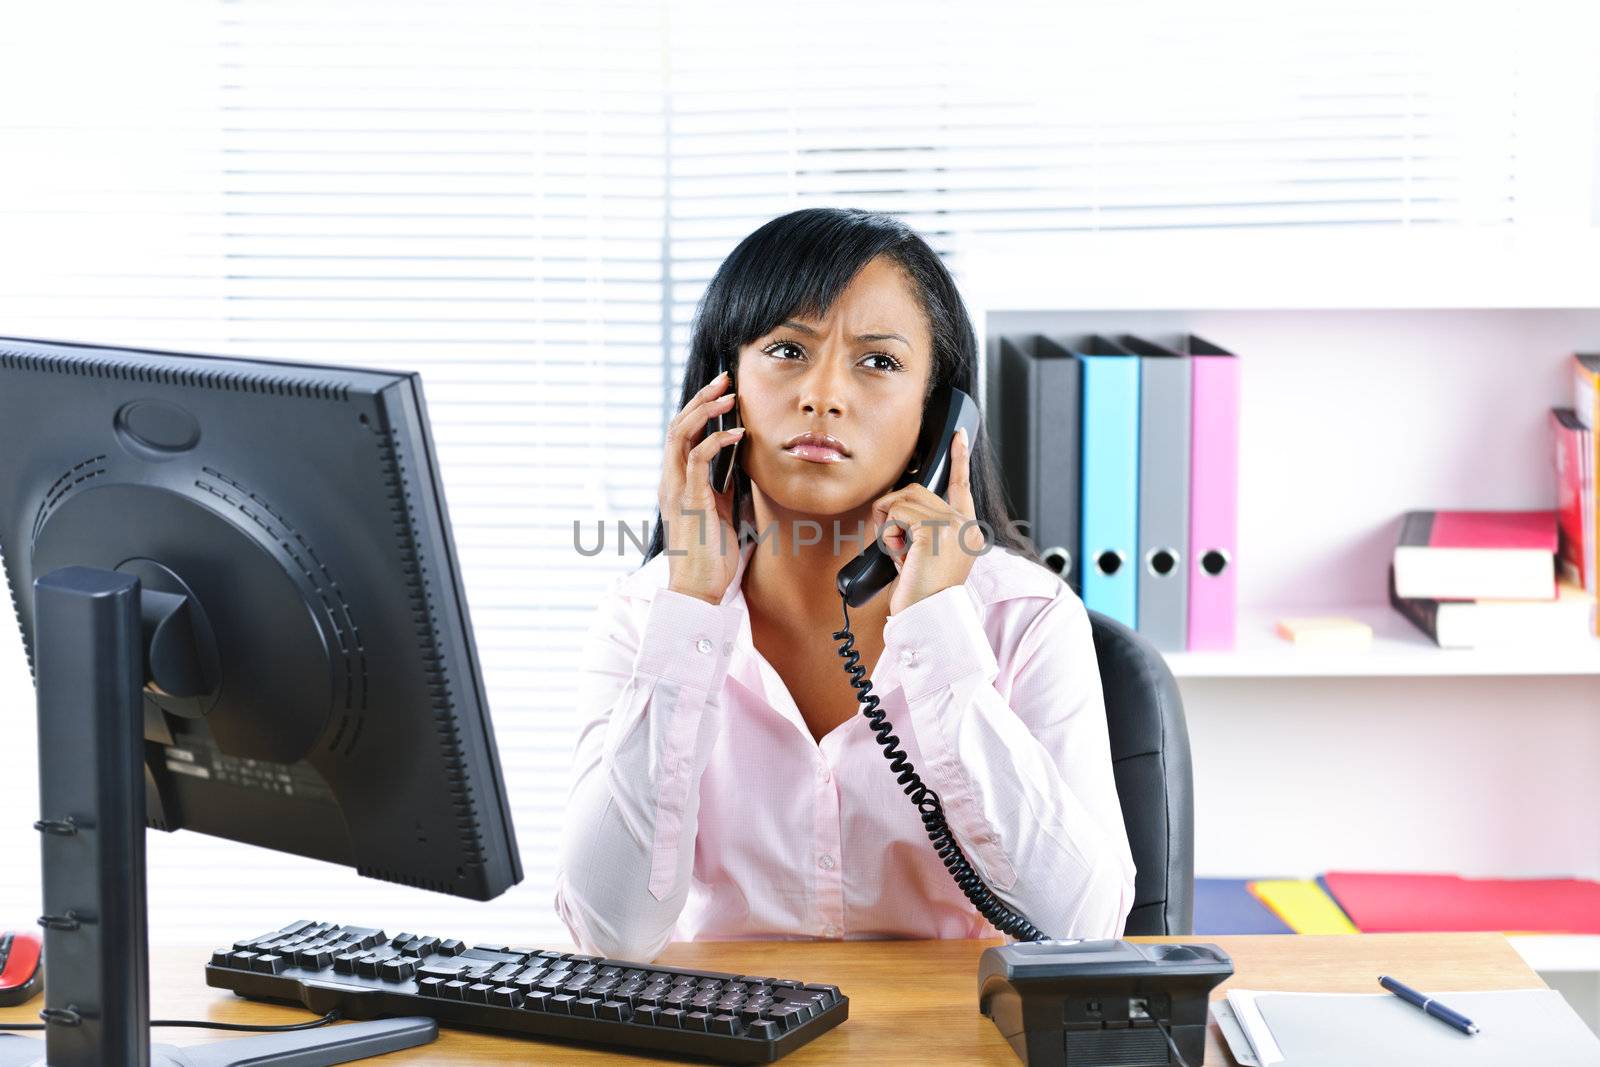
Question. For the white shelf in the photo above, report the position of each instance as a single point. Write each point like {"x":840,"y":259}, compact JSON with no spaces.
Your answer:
{"x":1559,"y":953}
{"x":1398,"y":650}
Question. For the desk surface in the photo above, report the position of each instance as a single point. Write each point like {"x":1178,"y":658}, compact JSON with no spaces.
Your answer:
{"x":905,"y":994}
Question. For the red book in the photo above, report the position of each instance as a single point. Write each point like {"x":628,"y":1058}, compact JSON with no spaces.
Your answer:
{"x":1408,"y":903}
{"x":1477,"y":555}
{"x":1573,"y":485}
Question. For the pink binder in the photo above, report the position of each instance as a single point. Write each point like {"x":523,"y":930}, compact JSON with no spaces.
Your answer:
{"x":1213,"y":495}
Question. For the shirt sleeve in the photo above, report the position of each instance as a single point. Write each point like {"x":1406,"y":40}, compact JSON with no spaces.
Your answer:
{"x":649,"y":702}
{"x":1025,"y":779}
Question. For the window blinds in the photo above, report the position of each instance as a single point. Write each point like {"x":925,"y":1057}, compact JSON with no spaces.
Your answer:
{"x":525,"y":202}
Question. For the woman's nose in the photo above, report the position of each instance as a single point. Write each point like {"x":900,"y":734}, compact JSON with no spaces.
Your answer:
{"x":824,"y":389}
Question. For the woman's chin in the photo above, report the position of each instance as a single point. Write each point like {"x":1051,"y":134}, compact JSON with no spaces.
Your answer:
{"x":802,"y":496}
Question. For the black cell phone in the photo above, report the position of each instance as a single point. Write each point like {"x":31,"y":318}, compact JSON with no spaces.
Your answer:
{"x":948,"y":410}
{"x":723,"y":462}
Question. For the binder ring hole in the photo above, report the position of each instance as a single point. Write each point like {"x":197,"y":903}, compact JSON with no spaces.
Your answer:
{"x":1057,"y":559}
{"x":1214,"y":562}
{"x":1109,"y":562}
{"x":1162,"y":561}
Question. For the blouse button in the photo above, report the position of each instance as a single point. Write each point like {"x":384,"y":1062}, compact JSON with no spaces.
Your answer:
{"x":830,"y":931}
{"x":826,"y":862}
{"x":908,"y":656}
{"x":704,"y":644}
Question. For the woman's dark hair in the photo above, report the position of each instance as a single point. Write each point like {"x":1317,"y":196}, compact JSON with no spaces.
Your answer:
{"x":798,"y":264}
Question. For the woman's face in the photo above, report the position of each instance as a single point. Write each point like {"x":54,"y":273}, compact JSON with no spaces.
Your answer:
{"x":857,"y":375}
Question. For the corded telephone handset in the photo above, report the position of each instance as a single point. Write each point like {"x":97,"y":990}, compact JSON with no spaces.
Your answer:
{"x":859,"y":581}
{"x":864,"y":577}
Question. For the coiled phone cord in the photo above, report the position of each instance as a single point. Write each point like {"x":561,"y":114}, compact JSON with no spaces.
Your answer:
{"x":927,"y":801}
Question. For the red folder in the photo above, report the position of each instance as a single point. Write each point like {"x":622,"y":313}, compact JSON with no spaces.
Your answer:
{"x":1402,"y":903}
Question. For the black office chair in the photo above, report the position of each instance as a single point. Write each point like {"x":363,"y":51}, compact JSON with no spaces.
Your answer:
{"x":1155,"y":780}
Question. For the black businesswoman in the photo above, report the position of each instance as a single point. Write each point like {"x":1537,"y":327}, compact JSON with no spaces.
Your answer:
{"x":725,"y":785}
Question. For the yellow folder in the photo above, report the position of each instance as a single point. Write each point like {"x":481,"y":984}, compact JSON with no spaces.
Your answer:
{"x":1304,"y":906}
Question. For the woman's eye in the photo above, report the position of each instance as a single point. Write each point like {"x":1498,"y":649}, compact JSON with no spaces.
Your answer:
{"x":889,"y":362}
{"x":781,"y":346}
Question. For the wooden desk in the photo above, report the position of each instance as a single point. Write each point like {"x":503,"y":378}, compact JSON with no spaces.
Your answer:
{"x":910,"y":1001}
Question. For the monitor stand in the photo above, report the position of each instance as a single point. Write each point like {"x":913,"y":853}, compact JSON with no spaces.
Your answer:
{"x":98,"y":639}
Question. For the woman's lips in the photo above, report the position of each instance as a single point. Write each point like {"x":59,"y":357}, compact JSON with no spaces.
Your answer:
{"x":816,"y":453}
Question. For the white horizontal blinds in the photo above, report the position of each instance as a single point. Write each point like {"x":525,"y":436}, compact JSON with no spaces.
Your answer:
{"x":474,"y":191}
{"x":1007,"y":117}
{"x":107,"y":233}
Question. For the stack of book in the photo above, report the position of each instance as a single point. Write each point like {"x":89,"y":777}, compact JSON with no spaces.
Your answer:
{"x":1487,"y":579}
{"x":1121,"y":456}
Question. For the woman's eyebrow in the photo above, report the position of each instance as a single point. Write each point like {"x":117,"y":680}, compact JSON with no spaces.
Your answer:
{"x":859,"y":337}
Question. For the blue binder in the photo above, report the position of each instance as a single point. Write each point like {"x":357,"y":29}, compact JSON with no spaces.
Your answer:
{"x":1110,"y":541}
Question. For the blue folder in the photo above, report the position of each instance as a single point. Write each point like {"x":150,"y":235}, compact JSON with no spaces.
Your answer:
{"x":1110,"y":543}
{"x":1226,"y":906}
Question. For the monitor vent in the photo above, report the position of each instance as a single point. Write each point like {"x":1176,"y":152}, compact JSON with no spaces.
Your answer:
{"x":387,"y":875}
{"x":16,"y":606}
{"x":420,"y":594}
{"x":327,"y":590}
{"x":158,"y":373}
{"x":76,"y":475}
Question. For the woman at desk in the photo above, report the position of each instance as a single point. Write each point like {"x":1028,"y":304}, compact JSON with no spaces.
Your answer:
{"x":725,"y":784}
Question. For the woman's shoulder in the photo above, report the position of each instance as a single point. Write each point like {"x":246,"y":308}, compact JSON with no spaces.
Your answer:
{"x":999,"y":575}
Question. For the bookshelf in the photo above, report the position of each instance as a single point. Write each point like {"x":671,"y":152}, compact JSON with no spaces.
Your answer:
{"x":1382,"y":370}
{"x":1398,"y":649}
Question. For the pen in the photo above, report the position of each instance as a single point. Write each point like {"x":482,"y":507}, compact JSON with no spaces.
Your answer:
{"x":1428,"y":1004}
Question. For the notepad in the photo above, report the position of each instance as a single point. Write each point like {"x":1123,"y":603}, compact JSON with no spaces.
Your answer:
{"x":1515,"y":1026}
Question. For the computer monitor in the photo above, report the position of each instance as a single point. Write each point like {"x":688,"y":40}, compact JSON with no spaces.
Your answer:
{"x":253,"y":562}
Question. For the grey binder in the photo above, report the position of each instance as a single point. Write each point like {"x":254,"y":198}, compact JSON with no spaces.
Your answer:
{"x":1164,"y":429}
{"x":1040,"y":388}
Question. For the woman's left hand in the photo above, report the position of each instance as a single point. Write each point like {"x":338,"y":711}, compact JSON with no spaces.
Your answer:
{"x":931,"y":551}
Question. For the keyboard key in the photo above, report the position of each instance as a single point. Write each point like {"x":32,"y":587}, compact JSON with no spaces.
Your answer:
{"x":695,"y":1020}
{"x":505,"y":997}
{"x":420,"y":946}
{"x":670,"y":1017}
{"x":646,"y":1015}
{"x":269,"y":964}
{"x":585,"y":1007}
{"x":832,"y":992}
{"x":396,"y":970}
{"x":765,"y":1029}
{"x":314,"y":959}
{"x":451,"y":947}
{"x":478,"y":993}
{"x":455,"y":990}
{"x":561,"y":1003}
{"x":400,"y":939}
{"x":345,"y":963}
{"x":723,"y":1024}
{"x":429,"y":987}
{"x":439,"y":970}
{"x":537,"y":1000}
{"x":614,"y":1009}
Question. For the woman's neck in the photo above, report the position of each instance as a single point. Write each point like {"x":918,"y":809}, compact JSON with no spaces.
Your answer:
{"x":793,"y":568}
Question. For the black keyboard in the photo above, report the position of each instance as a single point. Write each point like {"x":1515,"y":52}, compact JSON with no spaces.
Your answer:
{"x":562,"y":996}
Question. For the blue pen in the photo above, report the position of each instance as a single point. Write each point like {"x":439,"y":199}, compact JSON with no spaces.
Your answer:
{"x":1428,"y":1004}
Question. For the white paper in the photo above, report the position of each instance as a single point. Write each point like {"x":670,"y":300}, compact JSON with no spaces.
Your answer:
{"x":1254,"y":1026}
{"x":1233,"y":1034}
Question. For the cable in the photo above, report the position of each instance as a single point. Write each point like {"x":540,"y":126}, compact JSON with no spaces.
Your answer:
{"x":927,"y":801}
{"x":201,"y":1024}
{"x":1173,"y":1045}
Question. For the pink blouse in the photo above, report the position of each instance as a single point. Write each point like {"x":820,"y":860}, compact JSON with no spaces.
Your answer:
{"x":701,"y":807}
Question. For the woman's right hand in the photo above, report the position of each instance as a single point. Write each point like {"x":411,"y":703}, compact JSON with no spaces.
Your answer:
{"x":701,"y":544}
